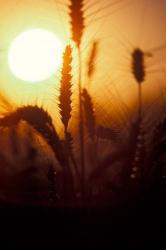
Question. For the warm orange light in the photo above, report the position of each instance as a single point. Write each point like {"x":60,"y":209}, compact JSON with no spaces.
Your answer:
{"x":35,"y":55}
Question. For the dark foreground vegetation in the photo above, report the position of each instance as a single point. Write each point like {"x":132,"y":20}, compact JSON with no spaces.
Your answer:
{"x":139,"y":223}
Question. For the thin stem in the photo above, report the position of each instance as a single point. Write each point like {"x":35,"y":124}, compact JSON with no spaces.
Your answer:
{"x":81,"y":128}
{"x":140,"y":123}
{"x":68,"y":178}
{"x":140,"y":101}
{"x":73,"y":160}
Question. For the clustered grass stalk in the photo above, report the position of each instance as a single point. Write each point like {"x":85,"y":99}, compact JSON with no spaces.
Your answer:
{"x":65,"y":105}
{"x":65,"y":112}
{"x":138,"y":69}
{"x":77,"y":28}
{"x":65,"y":89}
{"x":90,"y":122}
{"x":89,"y":114}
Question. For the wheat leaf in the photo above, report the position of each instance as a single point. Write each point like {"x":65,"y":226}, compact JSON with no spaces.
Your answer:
{"x":41,"y":121}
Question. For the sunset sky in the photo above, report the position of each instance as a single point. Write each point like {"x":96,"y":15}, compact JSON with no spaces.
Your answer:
{"x":120,"y":28}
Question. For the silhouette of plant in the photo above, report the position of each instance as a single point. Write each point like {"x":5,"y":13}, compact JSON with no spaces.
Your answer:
{"x":137,"y":155}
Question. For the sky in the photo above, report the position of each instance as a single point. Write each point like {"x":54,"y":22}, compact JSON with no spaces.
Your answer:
{"x":119,"y":29}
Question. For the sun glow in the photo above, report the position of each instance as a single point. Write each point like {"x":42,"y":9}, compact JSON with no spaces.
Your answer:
{"x":35,"y":55}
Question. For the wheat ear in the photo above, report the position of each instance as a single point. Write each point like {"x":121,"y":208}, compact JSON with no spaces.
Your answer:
{"x":65,"y":88}
{"x":138,"y":70}
{"x":77,"y":28}
{"x":77,"y":20}
{"x":65,"y":111}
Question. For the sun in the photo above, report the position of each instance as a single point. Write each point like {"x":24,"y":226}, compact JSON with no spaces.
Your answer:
{"x":35,"y":55}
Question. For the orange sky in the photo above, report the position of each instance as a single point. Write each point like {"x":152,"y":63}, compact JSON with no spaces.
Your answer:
{"x":118,"y":28}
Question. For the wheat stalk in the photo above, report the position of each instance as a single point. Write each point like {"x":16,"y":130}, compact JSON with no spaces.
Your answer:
{"x":92,"y":58}
{"x":41,"y":121}
{"x":71,"y":154}
{"x":89,"y":114}
{"x":65,"y":88}
{"x":130,"y":153}
{"x":77,"y":20}
{"x":90,"y":122}
{"x":77,"y":28}
{"x":138,"y":70}
{"x":138,"y":67}
{"x":66,"y":108}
